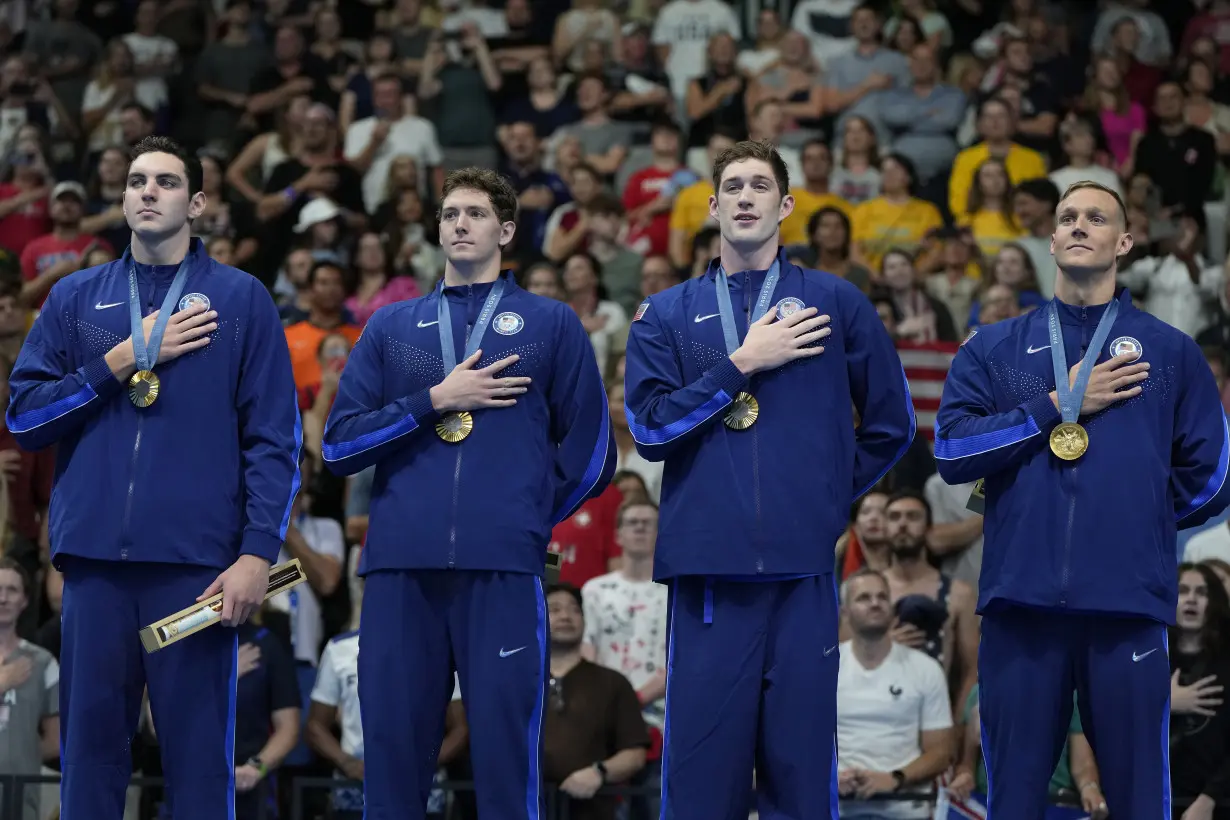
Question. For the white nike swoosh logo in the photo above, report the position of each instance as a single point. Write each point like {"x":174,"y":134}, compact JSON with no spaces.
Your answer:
{"x":829,"y":651}
{"x":700,"y":318}
{"x":1137,"y":658}
{"x":505,"y":653}
{"x":428,"y":324}
{"x":101,"y":306}
{"x":1033,"y":349}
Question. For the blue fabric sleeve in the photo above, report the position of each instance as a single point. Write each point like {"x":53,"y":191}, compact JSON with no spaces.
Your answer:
{"x":879,"y":389}
{"x":1201,"y":450}
{"x":361,"y":429}
{"x":663,"y":412}
{"x":270,"y":428}
{"x":49,"y":400}
{"x":972,"y":440}
{"x":580,"y":421}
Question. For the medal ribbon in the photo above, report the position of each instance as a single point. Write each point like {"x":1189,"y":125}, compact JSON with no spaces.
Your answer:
{"x":727,"y":312}
{"x":140,"y":350}
{"x":447,"y":351}
{"x":1070,"y":398}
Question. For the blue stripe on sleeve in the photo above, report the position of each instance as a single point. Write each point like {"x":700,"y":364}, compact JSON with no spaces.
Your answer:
{"x":951,"y":449}
{"x":672,"y":431}
{"x":593,"y":470}
{"x":1217,"y":480}
{"x":32,"y":419}
{"x":298,"y":477}
{"x":909,"y":408}
{"x":533,"y":791}
{"x":376,"y":438}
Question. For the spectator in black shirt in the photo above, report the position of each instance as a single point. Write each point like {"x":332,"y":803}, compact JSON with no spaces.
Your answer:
{"x":267,"y":709}
{"x":1181,"y":159}
{"x":295,"y":71}
{"x":1039,"y":115}
{"x":1199,"y":717}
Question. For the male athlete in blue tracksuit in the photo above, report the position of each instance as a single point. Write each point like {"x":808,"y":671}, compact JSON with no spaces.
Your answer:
{"x":1078,"y":574}
{"x":472,"y":472}
{"x":158,"y":503}
{"x":750,"y":511}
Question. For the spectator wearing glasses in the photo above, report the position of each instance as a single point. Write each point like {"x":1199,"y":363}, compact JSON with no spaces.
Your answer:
{"x":593,"y":734}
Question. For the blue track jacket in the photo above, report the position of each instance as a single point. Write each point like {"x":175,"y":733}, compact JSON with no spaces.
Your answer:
{"x":205,"y":474}
{"x":1096,"y":534}
{"x":488,"y":502}
{"x":772,"y":499}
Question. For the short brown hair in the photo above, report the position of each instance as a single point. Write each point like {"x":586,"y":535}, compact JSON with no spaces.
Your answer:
{"x":22,"y":573}
{"x":485,"y":181}
{"x":635,"y":501}
{"x":748,"y":149}
{"x":1090,"y":185}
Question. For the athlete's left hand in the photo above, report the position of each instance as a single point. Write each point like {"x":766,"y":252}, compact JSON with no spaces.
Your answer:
{"x":872,"y":783}
{"x":582,"y":784}
{"x":1093,"y":802}
{"x":246,"y":778}
{"x":243,"y":586}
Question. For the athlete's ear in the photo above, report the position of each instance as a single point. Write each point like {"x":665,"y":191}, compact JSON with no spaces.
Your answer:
{"x":713,"y":209}
{"x":787,"y":208}
{"x":1125,"y":244}
{"x":196,"y":205}
{"x":507,"y":230}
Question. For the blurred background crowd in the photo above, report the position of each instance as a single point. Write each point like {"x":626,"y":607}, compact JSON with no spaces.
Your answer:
{"x":927,"y":142}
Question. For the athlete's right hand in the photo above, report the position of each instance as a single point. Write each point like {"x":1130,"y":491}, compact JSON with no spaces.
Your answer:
{"x":771,"y":344}
{"x":186,"y":331}
{"x":469,"y":389}
{"x":1200,"y":698}
{"x":1113,"y":380}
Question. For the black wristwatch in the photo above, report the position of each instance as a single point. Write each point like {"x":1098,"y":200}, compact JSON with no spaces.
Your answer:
{"x":898,"y":779}
{"x":601,"y":767}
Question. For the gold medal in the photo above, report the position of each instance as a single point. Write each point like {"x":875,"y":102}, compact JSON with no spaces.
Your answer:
{"x":455,"y":427}
{"x":143,"y":388}
{"x":742,"y":412}
{"x":1069,"y":441}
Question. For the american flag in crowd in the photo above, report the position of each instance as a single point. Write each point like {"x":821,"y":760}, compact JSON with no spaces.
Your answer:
{"x":926,"y":367}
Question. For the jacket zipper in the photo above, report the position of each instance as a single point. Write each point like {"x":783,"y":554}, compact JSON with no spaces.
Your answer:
{"x":452,"y":531}
{"x":1072,"y":483}
{"x":747,"y":303}
{"x":136,"y":447}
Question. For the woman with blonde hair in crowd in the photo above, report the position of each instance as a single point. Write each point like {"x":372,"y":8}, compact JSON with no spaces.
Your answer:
{"x":1123,"y":121}
{"x":113,"y":86}
{"x":249,"y":171}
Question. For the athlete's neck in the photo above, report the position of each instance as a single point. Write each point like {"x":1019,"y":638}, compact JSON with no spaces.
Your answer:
{"x":564,"y":659}
{"x":637,"y":568}
{"x":871,"y":650}
{"x":1080,"y":290}
{"x":165,"y":250}
{"x":736,"y":259}
{"x":464,"y":273}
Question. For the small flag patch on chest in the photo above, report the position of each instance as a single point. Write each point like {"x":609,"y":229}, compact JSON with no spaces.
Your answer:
{"x":640,"y":311}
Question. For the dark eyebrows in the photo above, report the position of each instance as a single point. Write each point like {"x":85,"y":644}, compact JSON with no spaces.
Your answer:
{"x":164,"y":175}
{"x":755,"y":178}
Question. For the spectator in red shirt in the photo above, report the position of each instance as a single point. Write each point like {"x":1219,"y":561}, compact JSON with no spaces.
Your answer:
{"x":586,"y":541}
{"x":23,"y":200}
{"x":1215,"y":23}
{"x":650,"y":192}
{"x":26,"y":480}
{"x":52,"y":256}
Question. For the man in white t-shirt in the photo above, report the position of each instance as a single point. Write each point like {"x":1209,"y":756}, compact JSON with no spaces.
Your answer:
{"x":154,"y":57}
{"x":335,"y":701}
{"x":321,"y":549}
{"x":372,"y":143}
{"x":681,"y":36}
{"x":894,"y":721}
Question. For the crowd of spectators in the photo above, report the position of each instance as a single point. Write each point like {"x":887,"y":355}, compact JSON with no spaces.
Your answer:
{"x":927,"y":143}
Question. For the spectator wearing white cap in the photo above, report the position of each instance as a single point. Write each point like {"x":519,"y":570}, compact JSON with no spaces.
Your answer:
{"x":52,"y":256}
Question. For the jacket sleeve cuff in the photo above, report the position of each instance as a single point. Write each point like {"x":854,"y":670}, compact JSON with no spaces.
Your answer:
{"x":98,"y":375}
{"x":728,"y":377}
{"x":1043,"y":411}
{"x":261,"y":544}
{"x":419,"y":408}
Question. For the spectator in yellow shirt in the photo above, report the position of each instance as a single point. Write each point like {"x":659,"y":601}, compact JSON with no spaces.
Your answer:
{"x":990,"y":214}
{"x":811,"y":193}
{"x":894,"y":219}
{"x":690,"y":212}
{"x":996,"y":125}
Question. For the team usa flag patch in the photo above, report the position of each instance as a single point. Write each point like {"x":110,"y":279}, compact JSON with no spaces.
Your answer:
{"x":640,"y":311}
{"x":973,"y":332}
